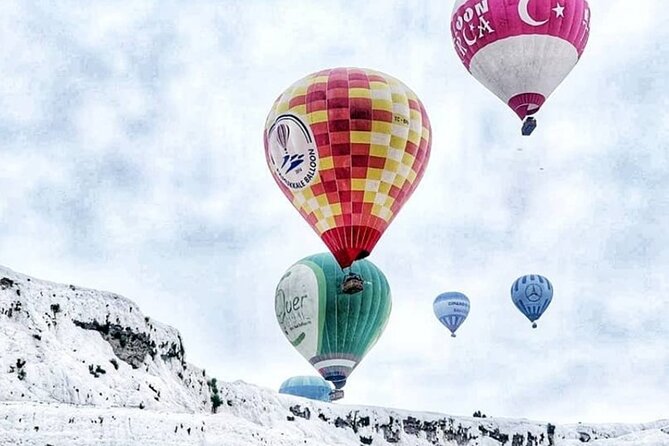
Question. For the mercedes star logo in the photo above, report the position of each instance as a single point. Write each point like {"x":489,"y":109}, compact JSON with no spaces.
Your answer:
{"x":533,"y":292}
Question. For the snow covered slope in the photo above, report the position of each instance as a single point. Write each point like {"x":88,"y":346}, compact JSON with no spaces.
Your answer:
{"x":60,"y":343}
{"x":84,"y":367}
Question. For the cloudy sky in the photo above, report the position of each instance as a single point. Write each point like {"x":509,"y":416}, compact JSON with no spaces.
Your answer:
{"x":131,"y":160}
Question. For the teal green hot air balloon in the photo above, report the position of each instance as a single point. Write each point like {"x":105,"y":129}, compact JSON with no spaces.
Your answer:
{"x":331,"y":329}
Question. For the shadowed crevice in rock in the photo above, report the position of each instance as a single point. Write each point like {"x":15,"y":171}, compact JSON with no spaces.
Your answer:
{"x":128,"y":346}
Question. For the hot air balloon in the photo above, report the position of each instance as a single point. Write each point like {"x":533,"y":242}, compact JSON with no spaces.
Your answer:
{"x":348,"y":146}
{"x":312,"y":387}
{"x":532,"y":294}
{"x":331,"y":329}
{"x":520,"y":50}
{"x":451,"y":309}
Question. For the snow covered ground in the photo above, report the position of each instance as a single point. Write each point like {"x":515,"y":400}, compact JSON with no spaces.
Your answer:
{"x":58,"y":424}
{"x":84,"y":367}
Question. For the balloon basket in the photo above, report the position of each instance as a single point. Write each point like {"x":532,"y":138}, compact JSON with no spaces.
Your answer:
{"x":534,"y":325}
{"x":528,"y":126}
{"x":352,"y":284}
{"x":453,"y":335}
{"x":336,"y":394}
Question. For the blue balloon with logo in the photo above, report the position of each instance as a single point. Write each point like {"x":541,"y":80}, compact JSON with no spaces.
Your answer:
{"x":451,"y":309}
{"x":532,"y":294}
{"x":312,"y":387}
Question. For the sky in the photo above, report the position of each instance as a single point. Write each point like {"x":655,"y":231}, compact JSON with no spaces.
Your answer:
{"x":131,"y":160}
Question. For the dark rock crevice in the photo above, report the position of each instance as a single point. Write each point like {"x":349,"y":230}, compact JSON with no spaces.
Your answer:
{"x":128,"y":346}
{"x":299,"y":412}
{"x":6,"y":282}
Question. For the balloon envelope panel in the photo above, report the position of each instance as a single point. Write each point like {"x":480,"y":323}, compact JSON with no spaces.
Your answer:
{"x":451,"y":309}
{"x":331,"y":329}
{"x":348,"y":146}
{"x":532,"y":294}
{"x":312,"y":387}
{"x":520,"y":50}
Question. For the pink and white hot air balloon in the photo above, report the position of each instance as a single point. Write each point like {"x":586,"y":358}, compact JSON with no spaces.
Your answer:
{"x":520,"y":49}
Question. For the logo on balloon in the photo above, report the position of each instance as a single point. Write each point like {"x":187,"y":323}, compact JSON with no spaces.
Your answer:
{"x":292,"y":151}
{"x":533,"y":292}
{"x":291,"y":314}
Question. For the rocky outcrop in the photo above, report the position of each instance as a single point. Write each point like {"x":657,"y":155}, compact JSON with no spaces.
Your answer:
{"x":71,"y":345}
{"x":128,"y":345}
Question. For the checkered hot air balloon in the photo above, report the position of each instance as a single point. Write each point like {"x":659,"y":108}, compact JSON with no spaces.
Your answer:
{"x":331,"y":329}
{"x":451,"y":309}
{"x":348,"y":146}
{"x":521,"y":50}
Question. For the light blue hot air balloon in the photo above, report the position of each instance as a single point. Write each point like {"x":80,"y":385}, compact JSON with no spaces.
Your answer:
{"x":532,"y":294}
{"x":451,"y":309}
{"x":312,"y":387}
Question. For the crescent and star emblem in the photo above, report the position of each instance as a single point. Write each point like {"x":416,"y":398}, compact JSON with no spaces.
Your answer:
{"x":523,"y":11}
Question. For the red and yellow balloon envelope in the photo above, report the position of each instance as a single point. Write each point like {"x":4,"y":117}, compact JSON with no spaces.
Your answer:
{"x":348,"y":146}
